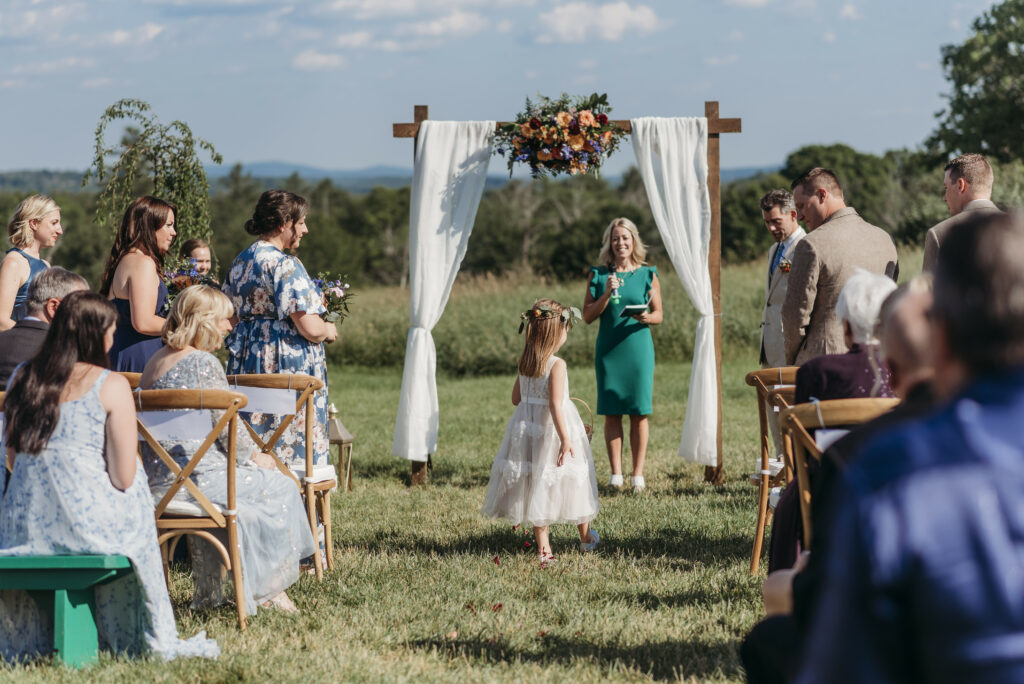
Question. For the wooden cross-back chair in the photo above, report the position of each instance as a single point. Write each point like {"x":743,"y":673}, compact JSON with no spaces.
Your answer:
{"x":315,"y":482}
{"x":765,"y":382}
{"x":175,"y":519}
{"x":800,"y":421}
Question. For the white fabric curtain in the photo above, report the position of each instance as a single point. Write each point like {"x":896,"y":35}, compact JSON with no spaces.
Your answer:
{"x":672,"y":155}
{"x":447,"y":183}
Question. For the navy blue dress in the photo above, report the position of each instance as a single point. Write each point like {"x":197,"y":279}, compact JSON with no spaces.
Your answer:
{"x":131,"y":348}
{"x":35,"y":267}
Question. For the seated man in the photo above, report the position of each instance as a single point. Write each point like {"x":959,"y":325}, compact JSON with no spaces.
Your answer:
{"x":925,"y":571}
{"x":770,"y":652}
{"x":857,"y":373}
{"x":20,"y":343}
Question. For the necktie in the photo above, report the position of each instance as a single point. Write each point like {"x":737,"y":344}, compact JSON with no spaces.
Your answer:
{"x":776,"y":259}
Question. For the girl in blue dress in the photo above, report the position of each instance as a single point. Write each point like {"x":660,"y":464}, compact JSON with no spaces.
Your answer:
{"x":279,"y":307}
{"x":35,"y":225}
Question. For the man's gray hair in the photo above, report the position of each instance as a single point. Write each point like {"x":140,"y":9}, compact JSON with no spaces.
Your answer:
{"x":783,"y":199}
{"x":53,"y":283}
{"x":860,"y":302}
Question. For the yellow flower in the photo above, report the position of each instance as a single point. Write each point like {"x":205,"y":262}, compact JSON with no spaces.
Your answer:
{"x":563,"y":119}
{"x":576,"y":142}
{"x":586,"y":118}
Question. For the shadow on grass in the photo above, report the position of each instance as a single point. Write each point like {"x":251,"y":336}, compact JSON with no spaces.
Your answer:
{"x":661,"y":660}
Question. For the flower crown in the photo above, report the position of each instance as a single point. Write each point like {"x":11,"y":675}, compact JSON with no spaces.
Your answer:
{"x":570,"y":315}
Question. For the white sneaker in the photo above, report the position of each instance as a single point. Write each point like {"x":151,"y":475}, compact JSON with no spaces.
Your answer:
{"x":590,"y":545}
{"x":615,"y":481}
{"x":638,"y":483}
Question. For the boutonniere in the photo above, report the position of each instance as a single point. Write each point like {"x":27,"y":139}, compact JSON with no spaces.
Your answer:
{"x":785,"y":264}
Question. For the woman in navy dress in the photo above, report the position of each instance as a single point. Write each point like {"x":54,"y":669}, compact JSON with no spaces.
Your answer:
{"x":132,"y":281}
{"x":35,"y":225}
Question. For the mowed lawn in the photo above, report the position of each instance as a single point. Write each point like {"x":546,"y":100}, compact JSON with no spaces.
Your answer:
{"x":425,"y":589}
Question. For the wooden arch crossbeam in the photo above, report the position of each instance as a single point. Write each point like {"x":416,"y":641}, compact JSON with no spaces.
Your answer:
{"x":716,"y":126}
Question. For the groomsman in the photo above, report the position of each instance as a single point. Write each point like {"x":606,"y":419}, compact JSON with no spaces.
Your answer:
{"x":968,"y":182}
{"x":838,"y":242}
{"x":779,"y":214}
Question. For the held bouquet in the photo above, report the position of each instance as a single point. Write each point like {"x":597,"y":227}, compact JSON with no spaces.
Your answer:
{"x":336,"y":294}
{"x":185,"y":275}
{"x":568,"y":135}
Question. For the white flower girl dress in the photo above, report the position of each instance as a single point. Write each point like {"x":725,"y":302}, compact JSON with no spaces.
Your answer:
{"x":526,"y":486}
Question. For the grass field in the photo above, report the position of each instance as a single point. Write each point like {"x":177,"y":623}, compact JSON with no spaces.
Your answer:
{"x":427,"y":590}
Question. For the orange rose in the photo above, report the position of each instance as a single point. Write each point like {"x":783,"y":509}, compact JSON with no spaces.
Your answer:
{"x":586,"y":118}
{"x":544,"y":155}
{"x":576,"y":142}
{"x":525,"y":130}
{"x":589,"y":147}
{"x":563,"y":119}
{"x":607,"y":135}
{"x":550,"y":135}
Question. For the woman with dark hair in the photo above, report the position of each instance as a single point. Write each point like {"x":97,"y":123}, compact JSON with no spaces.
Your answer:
{"x":132,"y":280}
{"x":72,"y":446}
{"x":279,"y":307}
{"x":197,"y":250}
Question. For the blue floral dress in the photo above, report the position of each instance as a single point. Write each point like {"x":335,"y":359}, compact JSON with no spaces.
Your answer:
{"x":61,"y":501}
{"x":266,"y":286}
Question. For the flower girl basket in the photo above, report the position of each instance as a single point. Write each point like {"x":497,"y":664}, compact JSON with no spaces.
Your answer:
{"x":589,"y":424}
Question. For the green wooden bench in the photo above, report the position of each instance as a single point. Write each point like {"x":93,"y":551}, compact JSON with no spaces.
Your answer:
{"x":62,"y":587}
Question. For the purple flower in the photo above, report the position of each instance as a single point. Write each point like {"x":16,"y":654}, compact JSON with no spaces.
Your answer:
{"x":501,"y":152}
{"x":584,"y":157}
{"x":522,"y":157}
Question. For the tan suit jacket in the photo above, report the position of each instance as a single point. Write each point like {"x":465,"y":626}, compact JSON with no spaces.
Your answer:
{"x":773,"y":346}
{"x":822,"y":263}
{"x":937,"y":233}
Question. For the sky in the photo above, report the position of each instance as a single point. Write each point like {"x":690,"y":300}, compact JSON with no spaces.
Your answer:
{"x":319,"y":82}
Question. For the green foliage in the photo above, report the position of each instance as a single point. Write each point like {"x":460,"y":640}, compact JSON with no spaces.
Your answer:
{"x":986,"y":77}
{"x":155,"y":159}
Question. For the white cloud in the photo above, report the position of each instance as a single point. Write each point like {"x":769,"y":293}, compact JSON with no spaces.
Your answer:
{"x":748,"y":3}
{"x":375,"y":9}
{"x":575,"y":22}
{"x":54,"y":66}
{"x":311,"y":60}
{"x":850,"y":11}
{"x":458,"y":23}
{"x":10,"y":83}
{"x":354,"y":40}
{"x":828,"y":37}
{"x":17,"y":22}
{"x":721,"y":61}
{"x":138,"y":36}
{"x":505,"y":26}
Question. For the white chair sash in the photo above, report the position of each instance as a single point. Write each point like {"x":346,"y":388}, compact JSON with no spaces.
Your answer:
{"x":279,"y":402}
{"x":176,"y":425}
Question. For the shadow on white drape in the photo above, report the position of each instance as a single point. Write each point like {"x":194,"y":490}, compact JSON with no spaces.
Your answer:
{"x":447,"y":183}
{"x":672,"y":155}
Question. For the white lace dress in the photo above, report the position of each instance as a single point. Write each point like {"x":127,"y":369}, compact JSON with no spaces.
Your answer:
{"x":526,"y":486}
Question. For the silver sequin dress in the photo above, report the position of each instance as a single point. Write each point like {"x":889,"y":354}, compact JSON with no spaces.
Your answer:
{"x":273,"y":529}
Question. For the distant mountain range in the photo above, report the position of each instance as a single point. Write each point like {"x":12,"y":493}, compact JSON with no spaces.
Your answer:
{"x":272,"y":172}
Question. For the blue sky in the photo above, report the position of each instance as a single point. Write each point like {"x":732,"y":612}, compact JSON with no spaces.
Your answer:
{"x":319,"y":82}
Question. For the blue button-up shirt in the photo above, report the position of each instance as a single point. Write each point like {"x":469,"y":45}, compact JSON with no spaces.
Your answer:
{"x":925,"y":579}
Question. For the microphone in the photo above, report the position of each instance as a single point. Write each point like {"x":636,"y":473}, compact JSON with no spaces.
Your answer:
{"x":614,"y":298}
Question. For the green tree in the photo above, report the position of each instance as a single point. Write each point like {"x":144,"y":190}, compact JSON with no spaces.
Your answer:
{"x":744,"y":236}
{"x":162,"y":160}
{"x":986,"y":76}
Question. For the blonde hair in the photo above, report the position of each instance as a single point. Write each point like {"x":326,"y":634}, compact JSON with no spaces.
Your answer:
{"x":639,"y":248}
{"x":543,"y":332}
{"x":194,"y":318}
{"x":32,"y":208}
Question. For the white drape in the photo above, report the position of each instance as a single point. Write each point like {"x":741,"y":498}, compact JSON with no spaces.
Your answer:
{"x":672,"y":156}
{"x":447,"y":183}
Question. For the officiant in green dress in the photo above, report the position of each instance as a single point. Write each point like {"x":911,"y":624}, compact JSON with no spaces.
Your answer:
{"x":624,"y":353}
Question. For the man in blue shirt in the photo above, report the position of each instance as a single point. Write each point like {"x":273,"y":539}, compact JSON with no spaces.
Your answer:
{"x":925,"y":574}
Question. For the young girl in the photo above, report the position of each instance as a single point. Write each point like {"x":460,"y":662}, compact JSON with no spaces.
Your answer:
{"x":543,"y":472}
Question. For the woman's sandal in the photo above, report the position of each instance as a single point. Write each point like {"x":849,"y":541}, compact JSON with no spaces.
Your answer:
{"x":588,"y":546}
{"x":547,"y":559}
{"x":283,"y":603}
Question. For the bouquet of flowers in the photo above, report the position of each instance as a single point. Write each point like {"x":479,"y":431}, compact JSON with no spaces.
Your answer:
{"x":336,"y":294}
{"x":181,"y":276}
{"x":568,"y":135}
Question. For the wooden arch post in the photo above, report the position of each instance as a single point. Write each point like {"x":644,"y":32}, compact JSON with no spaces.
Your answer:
{"x":716,"y":126}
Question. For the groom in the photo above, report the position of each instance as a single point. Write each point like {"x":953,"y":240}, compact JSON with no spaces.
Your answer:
{"x":779,"y":213}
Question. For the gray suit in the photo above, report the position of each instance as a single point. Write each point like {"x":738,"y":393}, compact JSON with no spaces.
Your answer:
{"x":937,"y":233}
{"x":773,"y":346}
{"x":822,"y":263}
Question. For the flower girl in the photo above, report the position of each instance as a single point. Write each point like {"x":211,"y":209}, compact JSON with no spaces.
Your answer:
{"x":544,"y":472}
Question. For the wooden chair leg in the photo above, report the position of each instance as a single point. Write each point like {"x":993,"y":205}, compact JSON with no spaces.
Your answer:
{"x":762,"y":520}
{"x":236,"y":570}
{"x":311,"y":514}
{"x":325,"y":515}
{"x":164,"y":556}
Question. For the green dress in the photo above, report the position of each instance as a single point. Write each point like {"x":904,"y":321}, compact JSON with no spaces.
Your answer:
{"x":624,"y":353}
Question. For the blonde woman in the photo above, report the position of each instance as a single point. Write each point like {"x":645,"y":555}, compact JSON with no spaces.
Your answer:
{"x":624,"y":352}
{"x":35,"y":225}
{"x":274,"y":535}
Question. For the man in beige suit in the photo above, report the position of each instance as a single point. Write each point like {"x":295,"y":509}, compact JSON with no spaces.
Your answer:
{"x":968,"y":181}
{"x":779,"y":214}
{"x":838,"y":242}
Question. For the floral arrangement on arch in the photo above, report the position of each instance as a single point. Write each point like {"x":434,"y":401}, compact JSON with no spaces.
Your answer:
{"x":566,"y":135}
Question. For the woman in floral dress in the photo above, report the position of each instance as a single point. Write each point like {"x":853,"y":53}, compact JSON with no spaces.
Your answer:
{"x":279,"y":307}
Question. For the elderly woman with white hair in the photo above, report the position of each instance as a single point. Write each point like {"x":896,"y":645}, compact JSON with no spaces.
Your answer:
{"x":859,"y":372}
